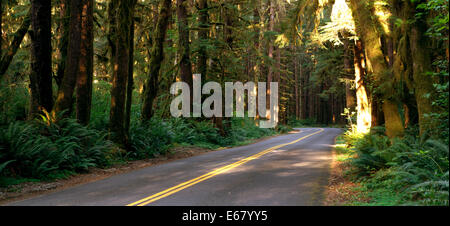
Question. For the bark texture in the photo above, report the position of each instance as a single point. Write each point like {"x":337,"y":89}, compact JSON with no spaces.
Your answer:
{"x":41,"y":62}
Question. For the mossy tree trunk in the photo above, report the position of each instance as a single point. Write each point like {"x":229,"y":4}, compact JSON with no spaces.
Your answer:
{"x":270,"y":56}
{"x":121,"y":72}
{"x":363,"y":106}
{"x":422,"y":64}
{"x":157,"y":56}
{"x":112,"y":33}
{"x":183,"y":45}
{"x":41,"y":62}
{"x":367,"y":29}
{"x":350,"y":94}
{"x":86,"y":63}
{"x":64,"y":98}
{"x":413,"y":61}
{"x":202,"y":6}
{"x":130,"y":80}
{"x":63,"y":40}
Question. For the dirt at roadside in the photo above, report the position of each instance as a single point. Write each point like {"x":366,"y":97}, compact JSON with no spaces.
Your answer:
{"x":341,"y":190}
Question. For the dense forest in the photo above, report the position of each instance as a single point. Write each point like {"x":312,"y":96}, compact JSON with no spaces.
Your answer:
{"x":85,"y":83}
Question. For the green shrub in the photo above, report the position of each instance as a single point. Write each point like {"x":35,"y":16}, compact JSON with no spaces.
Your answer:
{"x":283,"y":128}
{"x":14,"y":101}
{"x":149,"y":139}
{"x":42,"y":148}
{"x":412,"y":168}
{"x":302,"y":122}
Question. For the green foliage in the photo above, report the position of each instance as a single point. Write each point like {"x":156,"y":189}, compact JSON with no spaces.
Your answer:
{"x":412,"y":170}
{"x":243,"y":129}
{"x":101,"y":100}
{"x":283,"y":128}
{"x":440,"y":115}
{"x":155,"y":137}
{"x":302,"y":122}
{"x":439,"y":19}
{"x":149,"y":139}
{"x":43,"y":148}
{"x":14,"y":99}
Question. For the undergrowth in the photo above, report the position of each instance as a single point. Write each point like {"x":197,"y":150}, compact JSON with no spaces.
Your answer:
{"x":413,"y":170}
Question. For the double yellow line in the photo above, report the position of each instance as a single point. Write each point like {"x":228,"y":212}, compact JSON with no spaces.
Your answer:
{"x":213,"y":173}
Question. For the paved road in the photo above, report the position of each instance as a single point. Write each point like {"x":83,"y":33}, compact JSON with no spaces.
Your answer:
{"x":292,"y":169}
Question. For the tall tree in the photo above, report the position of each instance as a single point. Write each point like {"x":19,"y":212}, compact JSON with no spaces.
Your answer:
{"x":63,"y":39}
{"x":203,"y":36}
{"x":41,"y":62}
{"x":414,"y":57}
{"x":270,"y":55}
{"x":183,"y":44}
{"x":363,"y":106}
{"x":130,"y":80}
{"x":121,"y":72}
{"x":157,"y":56}
{"x":1,"y":31}
{"x":367,"y":29}
{"x":85,"y":67}
{"x":296,"y":82}
{"x":112,"y":33}
{"x":64,"y":99}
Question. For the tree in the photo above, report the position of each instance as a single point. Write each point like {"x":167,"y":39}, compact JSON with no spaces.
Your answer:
{"x":183,"y":44}
{"x":414,"y":57}
{"x":41,"y":62}
{"x":203,"y":36}
{"x":64,"y":99}
{"x":86,"y":63}
{"x":157,"y":55}
{"x":369,"y":33}
{"x":63,"y":33}
{"x":121,"y":71}
{"x":130,"y":80}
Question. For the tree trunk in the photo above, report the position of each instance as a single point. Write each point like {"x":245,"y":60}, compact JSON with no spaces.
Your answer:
{"x":85,"y":67}
{"x":64,"y":98}
{"x":203,"y":37}
{"x":120,"y":75}
{"x":303,"y":92}
{"x":368,"y":31}
{"x":157,"y":55}
{"x":296,"y":91}
{"x":363,"y":107}
{"x":41,"y":61}
{"x":422,"y":63}
{"x":350,"y":95}
{"x":257,"y":46}
{"x":63,"y":40}
{"x":183,"y":45}
{"x":1,"y":32}
{"x":130,"y":82}
{"x":15,"y":44}
{"x":270,"y":55}
{"x":112,"y":33}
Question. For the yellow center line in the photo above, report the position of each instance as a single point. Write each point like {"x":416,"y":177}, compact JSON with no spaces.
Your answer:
{"x":213,"y":173}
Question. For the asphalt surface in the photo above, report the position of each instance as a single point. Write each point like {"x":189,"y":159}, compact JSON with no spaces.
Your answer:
{"x":295,"y":174}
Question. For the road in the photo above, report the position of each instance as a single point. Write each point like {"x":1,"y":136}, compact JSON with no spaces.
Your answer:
{"x":287,"y":170}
